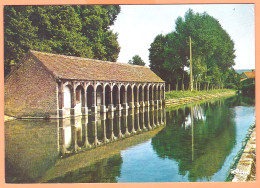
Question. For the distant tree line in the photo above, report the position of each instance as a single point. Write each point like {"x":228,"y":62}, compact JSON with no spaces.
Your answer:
{"x":212,"y":54}
{"x":81,"y":30}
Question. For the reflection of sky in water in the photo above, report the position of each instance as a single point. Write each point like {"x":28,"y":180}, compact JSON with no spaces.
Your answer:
{"x":67,"y":136}
{"x":148,"y":167}
{"x":197,"y":115}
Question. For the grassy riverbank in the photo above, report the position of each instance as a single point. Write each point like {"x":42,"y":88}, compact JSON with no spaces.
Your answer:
{"x":180,"y":94}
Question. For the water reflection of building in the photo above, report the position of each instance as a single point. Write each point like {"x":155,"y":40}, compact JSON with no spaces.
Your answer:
{"x":34,"y":147}
{"x":87,"y":132}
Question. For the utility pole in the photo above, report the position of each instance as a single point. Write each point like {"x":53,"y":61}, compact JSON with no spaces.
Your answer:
{"x":191,"y":80}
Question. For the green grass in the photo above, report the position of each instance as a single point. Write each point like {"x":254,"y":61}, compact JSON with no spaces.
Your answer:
{"x":180,"y":94}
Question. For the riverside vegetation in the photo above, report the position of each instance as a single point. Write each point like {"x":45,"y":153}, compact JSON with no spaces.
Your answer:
{"x":180,"y":94}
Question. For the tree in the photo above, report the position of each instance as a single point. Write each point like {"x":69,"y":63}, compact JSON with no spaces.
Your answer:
{"x":212,"y":50}
{"x":136,"y":60}
{"x":70,"y":30}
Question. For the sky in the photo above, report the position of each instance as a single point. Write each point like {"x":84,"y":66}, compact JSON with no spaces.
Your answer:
{"x":138,"y":25}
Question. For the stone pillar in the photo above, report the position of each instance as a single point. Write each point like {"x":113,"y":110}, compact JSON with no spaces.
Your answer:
{"x":85,"y":129}
{"x":94,"y":124}
{"x":103,"y":122}
{"x":148,"y":119}
{"x":131,"y":103}
{"x":142,"y":120}
{"x":103,"y":106}
{"x":125,"y":114}
{"x":147,"y":97}
{"x":152,"y":100}
{"x":125,"y":105}
{"x":157,"y":117}
{"x":73,"y":100}
{"x":111,"y":106}
{"x":142,"y":101}
{"x":159,"y":98}
{"x":120,"y":135}
{"x":152,"y":120}
{"x":84,"y":108}
{"x":61,"y":99}
{"x":156,"y":101}
{"x":131,"y":114}
{"x":73,"y":135}
{"x":137,"y":120}
{"x":94,"y":99}
{"x":118,"y":105}
{"x":137,"y":98}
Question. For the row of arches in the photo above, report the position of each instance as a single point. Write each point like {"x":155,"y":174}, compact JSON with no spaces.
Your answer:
{"x":82,"y":95}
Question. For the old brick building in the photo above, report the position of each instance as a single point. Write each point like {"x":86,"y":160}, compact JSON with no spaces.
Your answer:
{"x":57,"y":86}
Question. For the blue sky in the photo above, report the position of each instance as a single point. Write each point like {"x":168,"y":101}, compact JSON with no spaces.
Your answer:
{"x":138,"y":25}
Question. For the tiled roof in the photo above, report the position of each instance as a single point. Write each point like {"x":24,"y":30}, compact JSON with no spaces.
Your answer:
{"x":77,"y":68}
{"x":250,"y":74}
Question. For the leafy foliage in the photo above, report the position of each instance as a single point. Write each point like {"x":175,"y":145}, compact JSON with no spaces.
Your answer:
{"x":81,"y":30}
{"x":212,"y":51}
{"x":136,"y":60}
{"x":180,"y":94}
{"x":248,"y":87}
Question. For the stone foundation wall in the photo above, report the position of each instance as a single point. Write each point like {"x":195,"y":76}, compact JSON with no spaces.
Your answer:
{"x":30,"y":91}
{"x":246,"y":167}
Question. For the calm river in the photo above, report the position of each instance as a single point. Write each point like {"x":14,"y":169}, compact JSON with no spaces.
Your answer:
{"x":198,"y":143}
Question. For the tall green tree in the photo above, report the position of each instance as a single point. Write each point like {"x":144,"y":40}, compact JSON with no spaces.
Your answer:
{"x":136,"y":60}
{"x":212,"y":50}
{"x":70,"y":30}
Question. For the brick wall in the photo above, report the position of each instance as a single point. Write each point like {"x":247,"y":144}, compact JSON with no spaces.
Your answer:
{"x":31,"y":91}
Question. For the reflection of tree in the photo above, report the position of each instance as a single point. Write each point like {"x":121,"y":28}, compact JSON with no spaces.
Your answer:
{"x":104,"y":171}
{"x":213,"y":138}
{"x":241,"y":100}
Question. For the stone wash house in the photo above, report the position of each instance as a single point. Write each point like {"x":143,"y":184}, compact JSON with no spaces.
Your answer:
{"x":48,"y":85}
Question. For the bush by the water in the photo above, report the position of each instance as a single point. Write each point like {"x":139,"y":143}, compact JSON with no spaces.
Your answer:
{"x":248,"y":87}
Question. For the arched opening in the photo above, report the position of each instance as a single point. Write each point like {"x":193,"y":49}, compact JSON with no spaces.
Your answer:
{"x":115,"y":95}
{"x":107,"y":95}
{"x":159,"y":93}
{"x":79,"y":98}
{"x":99,"y":95}
{"x":129,"y":94}
{"x":90,"y":93}
{"x":67,"y":96}
{"x":122,"y":94}
{"x":154,"y":93}
{"x":135,"y":93}
{"x":145,"y":93}
{"x":150,"y":92}
{"x":140,"y":93}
